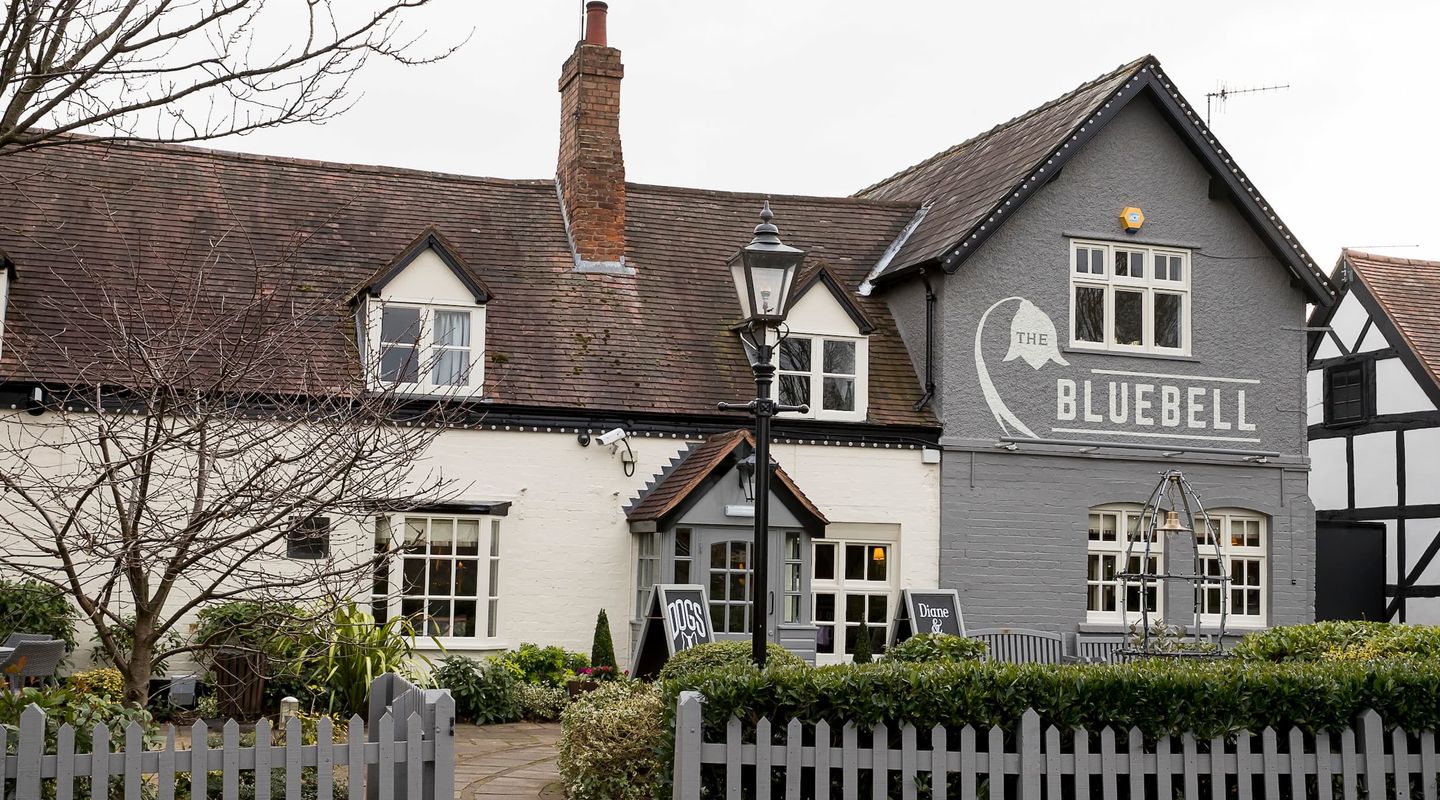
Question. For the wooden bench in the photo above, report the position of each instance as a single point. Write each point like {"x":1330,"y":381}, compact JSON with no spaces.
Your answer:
{"x":1020,"y":646}
{"x":1099,"y":648}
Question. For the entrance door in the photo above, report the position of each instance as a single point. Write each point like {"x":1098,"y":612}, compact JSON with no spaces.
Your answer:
{"x":1350,"y":570}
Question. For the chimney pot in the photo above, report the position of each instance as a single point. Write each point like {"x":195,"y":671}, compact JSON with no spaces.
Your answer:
{"x":595,"y":22}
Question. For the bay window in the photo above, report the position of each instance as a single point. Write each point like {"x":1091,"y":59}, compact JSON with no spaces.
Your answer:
{"x":1129,"y":298}
{"x":852,"y":583}
{"x":441,"y":572}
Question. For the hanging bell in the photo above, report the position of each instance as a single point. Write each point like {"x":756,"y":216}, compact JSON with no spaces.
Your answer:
{"x":1172,"y":523}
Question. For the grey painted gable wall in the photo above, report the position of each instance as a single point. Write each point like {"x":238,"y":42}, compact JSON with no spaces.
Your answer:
{"x":1242,"y":297}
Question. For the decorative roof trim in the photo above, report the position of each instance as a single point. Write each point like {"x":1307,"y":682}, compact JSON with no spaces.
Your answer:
{"x":1202,"y":142}
{"x":430,"y":239}
{"x":837,"y":288}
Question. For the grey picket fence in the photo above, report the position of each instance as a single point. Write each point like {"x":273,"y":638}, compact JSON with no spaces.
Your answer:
{"x":823,"y":761}
{"x":403,"y":757}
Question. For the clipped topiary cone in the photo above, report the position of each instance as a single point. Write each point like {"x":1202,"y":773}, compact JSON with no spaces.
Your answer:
{"x":602,"y":652}
{"x":862,"y":644}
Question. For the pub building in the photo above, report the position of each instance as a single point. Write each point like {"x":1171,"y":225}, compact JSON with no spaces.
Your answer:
{"x":1000,"y":348}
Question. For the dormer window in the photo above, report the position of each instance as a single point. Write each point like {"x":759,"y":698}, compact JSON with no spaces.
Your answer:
{"x":425,"y":322}
{"x":426,"y":347}
{"x":823,"y":362}
{"x":820,"y":372}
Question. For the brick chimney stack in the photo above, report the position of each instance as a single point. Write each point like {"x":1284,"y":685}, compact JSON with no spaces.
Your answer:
{"x":591,"y":172}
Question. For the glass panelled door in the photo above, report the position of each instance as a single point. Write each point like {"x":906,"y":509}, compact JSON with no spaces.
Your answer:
{"x":729,"y":572}
{"x":852,"y":583}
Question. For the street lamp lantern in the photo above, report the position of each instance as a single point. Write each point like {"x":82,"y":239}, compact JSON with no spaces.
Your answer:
{"x":763,"y":271}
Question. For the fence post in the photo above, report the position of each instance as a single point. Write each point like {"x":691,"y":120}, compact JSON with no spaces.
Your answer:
{"x":1372,"y":739}
{"x":29,"y":750}
{"x":443,"y":785}
{"x":1028,"y":743}
{"x":689,"y":713}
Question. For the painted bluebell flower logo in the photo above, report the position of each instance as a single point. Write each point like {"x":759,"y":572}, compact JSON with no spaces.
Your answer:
{"x":1032,"y":340}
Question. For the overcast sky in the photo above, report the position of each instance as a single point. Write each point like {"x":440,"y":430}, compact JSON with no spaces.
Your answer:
{"x":810,"y":97}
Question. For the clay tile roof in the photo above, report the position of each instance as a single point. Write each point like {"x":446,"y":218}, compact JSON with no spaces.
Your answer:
{"x":657,"y":342}
{"x":965,"y":182}
{"x":1408,"y":289}
{"x":676,"y":486}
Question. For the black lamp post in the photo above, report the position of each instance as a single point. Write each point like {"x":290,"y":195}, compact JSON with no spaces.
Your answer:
{"x":764,"y":271}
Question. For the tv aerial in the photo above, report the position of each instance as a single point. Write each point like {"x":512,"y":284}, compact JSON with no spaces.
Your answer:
{"x":1217,"y":98}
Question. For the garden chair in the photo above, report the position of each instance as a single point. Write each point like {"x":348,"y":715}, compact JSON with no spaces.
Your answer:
{"x":1020,"y":646}
{"x":32,"y":660}
{"x":16,"y":638}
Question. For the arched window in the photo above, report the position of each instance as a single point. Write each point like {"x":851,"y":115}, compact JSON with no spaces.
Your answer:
{"x":1110,"y":528}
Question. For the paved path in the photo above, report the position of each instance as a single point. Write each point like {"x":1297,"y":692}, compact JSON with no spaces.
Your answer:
{"x":516,"y":760}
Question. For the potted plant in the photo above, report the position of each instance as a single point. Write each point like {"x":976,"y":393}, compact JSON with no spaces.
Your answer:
{"x":602,"y":661}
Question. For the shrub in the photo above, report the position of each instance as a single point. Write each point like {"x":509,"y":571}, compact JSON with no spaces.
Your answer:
{"x":103,"y":682}
{"x":275,"y":629}
{"x":1158,"y":697}
{"x":1340,"y":641}
{"x":602,"y":652}
{"x":611,"y":744}
{"x":66,"y":705}
{"x":541,"y":703}
{"x":862,"y":644}
{"x":931,"y":647}
{"x":549,"y":666}
{"x":339,"y":659}
{"x":708,"y":656}
{"x":484,"y":691}
{"x":33,"y":607}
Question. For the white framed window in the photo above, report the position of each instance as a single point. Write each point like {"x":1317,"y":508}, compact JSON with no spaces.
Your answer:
{"x":647,"y":569}
{"x":1129,"y":298}
{"x":1110,"y":529}
{"x":443,"y":572}
{"x":427,"y":348}
{"x":850,"y":582}
{"x":827,"y":373}
{"x":730,"y":577}
{"x":1244,"y":542}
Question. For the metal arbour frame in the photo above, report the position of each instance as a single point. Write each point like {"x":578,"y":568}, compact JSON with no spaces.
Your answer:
{"x":1173,"y":494}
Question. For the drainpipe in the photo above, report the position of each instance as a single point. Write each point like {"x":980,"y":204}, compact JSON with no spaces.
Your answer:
{"x":929,"y":343}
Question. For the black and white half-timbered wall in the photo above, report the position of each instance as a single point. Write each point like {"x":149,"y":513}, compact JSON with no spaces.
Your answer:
{"x":1374,"y":390}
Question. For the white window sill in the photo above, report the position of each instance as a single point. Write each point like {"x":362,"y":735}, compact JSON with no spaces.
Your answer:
{"x":1206,"y":627}
{"x":1100,"y":351}
{"x":452,"y":644}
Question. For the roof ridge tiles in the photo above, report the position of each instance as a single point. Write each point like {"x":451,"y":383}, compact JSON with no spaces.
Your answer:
{"x":1352,"y":253}
{"x":1133,"y":66}
{"x":263,"y":158}
{"x":848,"y":200}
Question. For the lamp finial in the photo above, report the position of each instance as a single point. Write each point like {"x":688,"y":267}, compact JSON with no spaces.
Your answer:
{"x":766,"y":232}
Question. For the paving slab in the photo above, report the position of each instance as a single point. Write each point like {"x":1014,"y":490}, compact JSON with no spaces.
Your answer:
{"x":515,"y":760}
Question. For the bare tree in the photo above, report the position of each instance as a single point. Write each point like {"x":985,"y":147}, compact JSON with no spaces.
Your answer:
{"x":195,"y":419}
{"x":187,"y":70}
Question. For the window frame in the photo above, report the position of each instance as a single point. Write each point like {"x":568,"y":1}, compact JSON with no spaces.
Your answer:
{"x":1124,"y":512}
{"x":1149,"y":285}
{"x":842,"y":587}
{"x":427,"y":349}
{"x":487,"y":558}
{"x":1230,"y":553}
{"x":817,"y":376}
{"x":308,"y":539}
{"x":1366,"y":368}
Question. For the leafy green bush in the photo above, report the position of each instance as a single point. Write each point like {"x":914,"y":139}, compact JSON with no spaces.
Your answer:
{"x":1340,"y":641}
{"x":705,"y":657}
{"x":541,"y":703}
{"x":341,"y":657}
{"x":548,"y":666}
{"x":930,"y":647}
{"x":484,"y":691}
{"x":1159,"y":697}
{"x":612,"y":740}
{"x":33,"y":607}
{"x":278,"y":630}
{"x":104,"y":682}
{"x":66,"y":705}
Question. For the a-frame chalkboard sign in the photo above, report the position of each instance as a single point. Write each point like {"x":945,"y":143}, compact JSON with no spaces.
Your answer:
{"x":677,"y":617}
{"x":927,"y":611}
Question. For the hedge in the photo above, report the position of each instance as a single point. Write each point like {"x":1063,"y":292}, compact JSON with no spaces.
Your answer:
{"x":1158,"y":697}
{"x":1340,"y":641}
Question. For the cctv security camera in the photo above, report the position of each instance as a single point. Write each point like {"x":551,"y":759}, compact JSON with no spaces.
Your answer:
{"x":612,"y":436}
